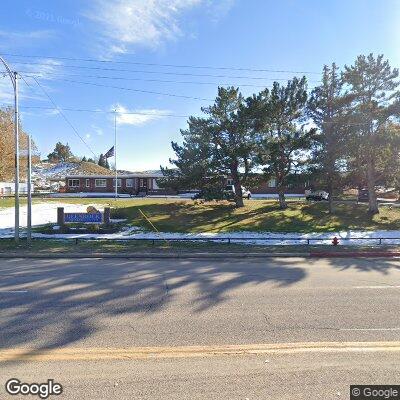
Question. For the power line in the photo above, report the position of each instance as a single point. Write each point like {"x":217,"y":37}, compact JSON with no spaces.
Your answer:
{"x":152,"y":114}
{"x":63,"y":115}
{"x":141,"y":71}
{"x":165,"y":65}
{"x":41,"y":74}
{"x":104,"y":111}
{"x":133,"y":90}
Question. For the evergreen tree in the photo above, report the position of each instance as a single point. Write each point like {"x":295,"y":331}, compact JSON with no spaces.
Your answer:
{"x":277,"y":115}
{"x":61,"y":152}
{"x":195,"y":167}
{"x":217,"y":145}
{"x":390,"y":171}
{"x":328,"y":108}
{"x":102,"y":161}
{"x":372,"y":83}
{"x":84,"y":159}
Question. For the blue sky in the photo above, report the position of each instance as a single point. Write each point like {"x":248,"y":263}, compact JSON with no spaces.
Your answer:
{"x":284,"y":35}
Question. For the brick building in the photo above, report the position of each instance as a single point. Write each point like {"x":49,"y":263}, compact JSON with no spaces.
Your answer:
{"x":145,"y":183}
{"x":140,"y":183}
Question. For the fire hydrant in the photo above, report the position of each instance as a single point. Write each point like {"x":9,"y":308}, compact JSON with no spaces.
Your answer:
{"x":335,"y":241}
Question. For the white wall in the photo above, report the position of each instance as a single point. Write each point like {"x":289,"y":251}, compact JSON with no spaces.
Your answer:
{"x":8,"y":187}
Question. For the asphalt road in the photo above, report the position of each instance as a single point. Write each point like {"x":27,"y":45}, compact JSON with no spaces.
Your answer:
{"x":85,"y":323}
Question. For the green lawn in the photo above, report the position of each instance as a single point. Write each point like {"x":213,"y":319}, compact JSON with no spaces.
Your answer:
{"x":9,"y":202}
{"x":170,"y":215}
{"x":257,"y":216}
{"x":45,"y":247}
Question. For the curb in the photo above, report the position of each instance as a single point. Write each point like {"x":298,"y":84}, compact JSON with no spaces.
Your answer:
{"x":203,"y":255}
{"x":154,"y":255}
{"x":358,"y":254}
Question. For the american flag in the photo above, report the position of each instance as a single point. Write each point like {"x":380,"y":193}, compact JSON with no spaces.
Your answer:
{"x":110,"y":153}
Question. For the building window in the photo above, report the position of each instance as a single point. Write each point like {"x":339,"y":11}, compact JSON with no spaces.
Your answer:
{"x":272,"y":183}
{"x":155,"y":186}
{"x":141,"y":182}
{"x":229,"y":181}
{"x":73,"y":182}
{"x":87,"y":183}
{"x":100,"y":183}
{"x":129,"y":183}
{"x":119,"y":182}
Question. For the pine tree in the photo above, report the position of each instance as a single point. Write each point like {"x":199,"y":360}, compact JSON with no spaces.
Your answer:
{"x":328,"y":108}
{"x":61,"y":152}
{"x":102,"y":161}
{"x":194,"y":165}
{"x":372,"y":83}
{"x":277,"y":117}
{"x":219,"y":144}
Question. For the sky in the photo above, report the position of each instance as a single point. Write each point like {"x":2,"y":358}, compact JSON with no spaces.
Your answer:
{"x":156,"y":62}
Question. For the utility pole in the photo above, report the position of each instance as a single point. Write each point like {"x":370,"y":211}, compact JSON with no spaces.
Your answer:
{"x":29,"y":183}
{"x":16,"y":178}
{"x":115,"y":153}
{"x":14,"y":80}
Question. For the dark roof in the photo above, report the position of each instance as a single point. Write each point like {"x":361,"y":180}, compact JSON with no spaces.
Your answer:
{"x":122,"y":174}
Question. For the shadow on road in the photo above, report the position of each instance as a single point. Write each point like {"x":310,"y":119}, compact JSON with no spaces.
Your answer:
{"x":59,"y":302}
{"x":48,"y":304}
{"x":379,"y":264}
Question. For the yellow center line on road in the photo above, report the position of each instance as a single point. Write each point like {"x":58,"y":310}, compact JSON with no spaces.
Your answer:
{"x":140,"y":353}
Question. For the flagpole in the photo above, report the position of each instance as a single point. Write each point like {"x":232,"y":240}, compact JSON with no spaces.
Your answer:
{"x":115,"y":153}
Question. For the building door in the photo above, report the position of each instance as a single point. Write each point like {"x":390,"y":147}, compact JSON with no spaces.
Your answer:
{"x":143,"y":185}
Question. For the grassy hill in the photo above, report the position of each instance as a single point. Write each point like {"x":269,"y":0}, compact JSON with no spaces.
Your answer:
{"x":89,"y":168}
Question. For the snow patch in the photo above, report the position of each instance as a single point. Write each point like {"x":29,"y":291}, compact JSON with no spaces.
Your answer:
{"x":275,"y":195}
{"x":42,"y":213}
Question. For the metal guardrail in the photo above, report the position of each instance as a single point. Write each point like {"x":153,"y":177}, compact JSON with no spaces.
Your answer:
{"x":228,"y":240}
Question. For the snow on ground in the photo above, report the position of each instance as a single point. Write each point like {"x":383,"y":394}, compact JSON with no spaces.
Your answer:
{"x":275,"y":195}
{"x":44,"y":213}
{"x":54,"y":171}
{"x":44,"y":172}
{"x":188,"y":195}
{"x":353,"y":238}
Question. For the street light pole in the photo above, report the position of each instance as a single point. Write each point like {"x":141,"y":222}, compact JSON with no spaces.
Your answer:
{"x":14,"y":80}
